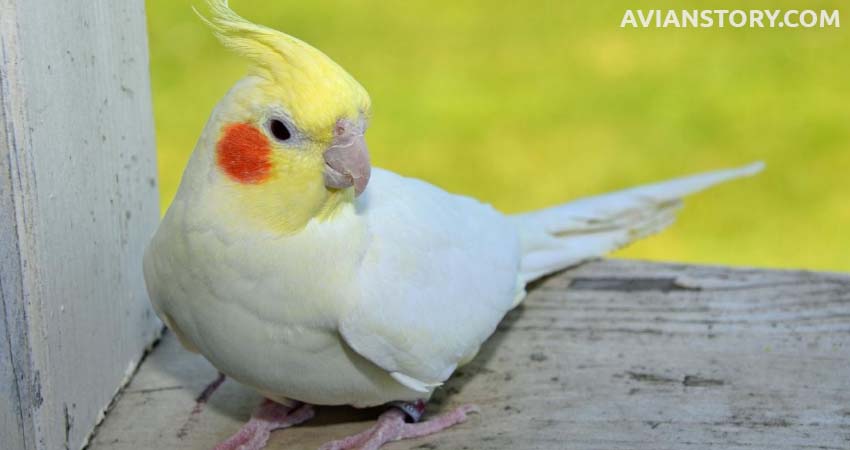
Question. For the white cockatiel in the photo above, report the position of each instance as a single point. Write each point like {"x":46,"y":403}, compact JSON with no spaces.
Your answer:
{"x":278,"y":264}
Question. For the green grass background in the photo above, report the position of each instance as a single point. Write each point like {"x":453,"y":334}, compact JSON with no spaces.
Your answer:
{"x":528,"y":104}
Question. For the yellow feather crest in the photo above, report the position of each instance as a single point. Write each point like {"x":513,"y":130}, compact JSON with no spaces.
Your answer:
{"x":312,"y":86}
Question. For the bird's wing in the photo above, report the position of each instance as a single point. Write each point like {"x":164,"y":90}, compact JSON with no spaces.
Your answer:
{"x":439,"y":274}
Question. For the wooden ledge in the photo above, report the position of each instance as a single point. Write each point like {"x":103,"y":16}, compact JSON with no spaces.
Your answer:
{"x":614,"y":354}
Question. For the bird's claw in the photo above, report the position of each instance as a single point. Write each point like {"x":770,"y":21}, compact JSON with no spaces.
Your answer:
{"x":392,"y":427}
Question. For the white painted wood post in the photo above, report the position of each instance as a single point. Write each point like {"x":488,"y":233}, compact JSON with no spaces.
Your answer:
{"x":78,"y":202}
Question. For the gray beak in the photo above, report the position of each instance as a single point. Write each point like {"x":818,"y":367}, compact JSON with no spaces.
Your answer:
{"x":347,"y":159}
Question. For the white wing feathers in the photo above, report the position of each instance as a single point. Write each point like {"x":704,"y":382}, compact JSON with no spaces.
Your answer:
{"x":439,"y":275}
{"x":565,"y":235}
{"x":428,"y":304}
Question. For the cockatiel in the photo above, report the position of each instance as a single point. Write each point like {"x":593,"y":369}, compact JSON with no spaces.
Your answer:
{"x":297,"y":269}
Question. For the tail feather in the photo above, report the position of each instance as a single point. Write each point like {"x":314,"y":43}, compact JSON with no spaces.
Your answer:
{"x":565,"y":235}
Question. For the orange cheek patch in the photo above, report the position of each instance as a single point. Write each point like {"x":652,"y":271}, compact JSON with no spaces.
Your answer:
{"x":243,"y":153}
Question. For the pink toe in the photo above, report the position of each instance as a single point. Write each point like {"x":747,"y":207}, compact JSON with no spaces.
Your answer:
{"x":391,"y":427}
{"x":268,"y":417}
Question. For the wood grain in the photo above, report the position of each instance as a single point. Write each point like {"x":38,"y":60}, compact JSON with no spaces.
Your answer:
{"x":611,"y":355}
{"x":78,"y":201}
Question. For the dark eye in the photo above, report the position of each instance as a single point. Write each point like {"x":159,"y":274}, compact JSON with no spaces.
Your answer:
{"x":279,"y":130}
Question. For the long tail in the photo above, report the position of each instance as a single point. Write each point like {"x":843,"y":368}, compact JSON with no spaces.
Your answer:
{"x":565,"y":235}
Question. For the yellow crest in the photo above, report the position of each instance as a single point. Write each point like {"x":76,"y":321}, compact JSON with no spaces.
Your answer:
{"x":314,"y":88}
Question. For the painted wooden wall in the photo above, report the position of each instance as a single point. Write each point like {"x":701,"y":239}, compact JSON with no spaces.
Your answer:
{"x":78,"y":202}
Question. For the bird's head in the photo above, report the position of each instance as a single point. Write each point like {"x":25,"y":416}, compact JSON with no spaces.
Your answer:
{"x":286,"y":144}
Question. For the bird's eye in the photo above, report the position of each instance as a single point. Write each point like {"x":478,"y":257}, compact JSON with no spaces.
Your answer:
{"x":279,"y":130}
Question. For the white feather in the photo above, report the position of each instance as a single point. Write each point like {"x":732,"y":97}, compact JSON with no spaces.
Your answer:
{"x":565,"y":235}
{"x":385,"y":300}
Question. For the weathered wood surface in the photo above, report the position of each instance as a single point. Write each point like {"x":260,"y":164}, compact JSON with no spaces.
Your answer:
{"x":612,"y":355}
{"x":78,"y":201}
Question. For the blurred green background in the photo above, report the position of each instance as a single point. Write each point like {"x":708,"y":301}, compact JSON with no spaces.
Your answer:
{"x":528,"y":104}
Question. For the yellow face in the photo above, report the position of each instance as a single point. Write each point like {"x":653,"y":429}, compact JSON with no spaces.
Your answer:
{"x":289,"y":144}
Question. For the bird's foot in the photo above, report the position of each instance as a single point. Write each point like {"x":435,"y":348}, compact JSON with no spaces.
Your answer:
{"x":269,"y":416}
{"x":392,"y":427}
